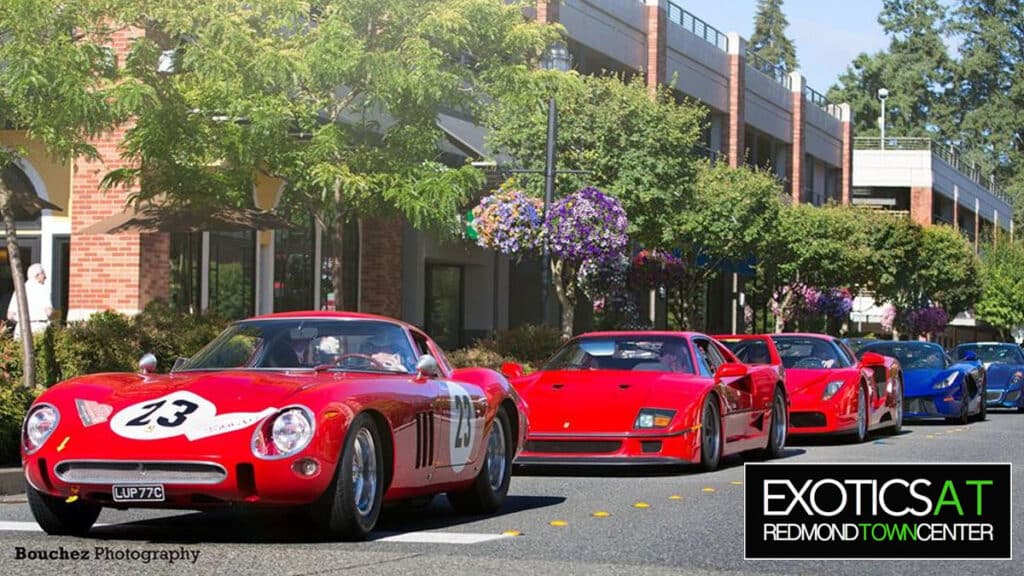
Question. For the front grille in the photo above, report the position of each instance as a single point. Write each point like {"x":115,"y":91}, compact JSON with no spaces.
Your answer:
{"x":650,"y":446}
{"x":919,"y":405}
{"x":573,"y":446}
{"x":144,"y":472}
{"x":993,"y":395}
{"x":806,"y":419}
{"x":1013,"y":396}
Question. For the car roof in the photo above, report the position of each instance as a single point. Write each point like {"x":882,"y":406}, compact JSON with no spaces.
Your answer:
{"x":328,"y":314}
{"x":638,"y":334}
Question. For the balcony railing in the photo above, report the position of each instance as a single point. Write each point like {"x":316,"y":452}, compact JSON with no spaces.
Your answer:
{"x":773,"y":71}
{"x":949,"y":154}
{"x":707,"y":32}
{"x":819,"y":100}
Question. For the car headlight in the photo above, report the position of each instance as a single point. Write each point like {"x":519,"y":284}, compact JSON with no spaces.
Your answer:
{"x":945,"y":382}
{"x":1016,"y":378}
{"x":653,"y":418}
{"x":831,"y":388}
{"x":40,"y":423}
{"x":285,"y":434}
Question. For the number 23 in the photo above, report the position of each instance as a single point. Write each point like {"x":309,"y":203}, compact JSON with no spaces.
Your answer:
{"x":464,"y":407}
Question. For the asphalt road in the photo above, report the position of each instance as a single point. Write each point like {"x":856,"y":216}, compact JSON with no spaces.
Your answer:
{"x":691,"y":524}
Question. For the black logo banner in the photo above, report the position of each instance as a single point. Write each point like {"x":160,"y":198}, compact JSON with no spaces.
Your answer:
{"x":918,"y":511}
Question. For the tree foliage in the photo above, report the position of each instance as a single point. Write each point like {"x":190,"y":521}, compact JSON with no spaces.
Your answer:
{"x":340,"y":99}
{"x":769,"y":40}
{"x":1002,"y":279}
{"x":637,"y":148}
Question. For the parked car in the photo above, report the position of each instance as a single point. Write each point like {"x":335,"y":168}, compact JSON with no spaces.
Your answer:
{"x":333,"y":412}
{"x":1004,"y":372}
{"x":831,"y":391}
{"x":936,"y":386}
{"x":649,"y":398}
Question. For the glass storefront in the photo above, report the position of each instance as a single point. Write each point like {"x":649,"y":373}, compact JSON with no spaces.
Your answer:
{"x":186,"y":280}
{"x":349,"y":274}
{"x":232,"y":273}
{"x":444,"y":305}
{"x":293,"y":260}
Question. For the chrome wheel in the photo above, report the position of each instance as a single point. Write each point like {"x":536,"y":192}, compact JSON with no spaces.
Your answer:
{"x":899,"y":404}
{"x":496,"y":455}
{"x":779,"y":423}
{"x":364,"y":472}
{"x":862,"y":412}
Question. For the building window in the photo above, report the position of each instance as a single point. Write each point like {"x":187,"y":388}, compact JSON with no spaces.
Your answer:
{"x":186,"y":271}
{"x":350,"y":269}
{"x":445,"y":302}
{"x":293,"y":260}
{"x":233,"y":273}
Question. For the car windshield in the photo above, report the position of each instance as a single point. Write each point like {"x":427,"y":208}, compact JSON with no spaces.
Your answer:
{"x":325,"y":343}
{"x":807,"y":352}
{"x":652,"y":354}
{"x":912,"y":355}
{"x":1005,"y":353}
{"x":748,"y":351}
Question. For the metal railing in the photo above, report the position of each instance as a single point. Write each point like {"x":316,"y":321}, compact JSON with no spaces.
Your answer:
{"x":951,"y":155}
{"x":707,"y":32}
{"x":773,"y":71}
{"x":821,"y":101}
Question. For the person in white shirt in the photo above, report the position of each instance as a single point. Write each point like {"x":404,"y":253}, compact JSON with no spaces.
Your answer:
{"x":40,"y":307}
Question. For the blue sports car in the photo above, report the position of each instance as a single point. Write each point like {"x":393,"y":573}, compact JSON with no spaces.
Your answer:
{"x":933,"y":385}
{"x":1004,"y":372}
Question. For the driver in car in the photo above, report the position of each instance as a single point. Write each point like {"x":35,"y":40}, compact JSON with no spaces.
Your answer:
{"x":385,"y":348}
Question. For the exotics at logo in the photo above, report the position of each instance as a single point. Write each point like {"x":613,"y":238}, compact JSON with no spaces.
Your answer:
{"x":878,"y":511}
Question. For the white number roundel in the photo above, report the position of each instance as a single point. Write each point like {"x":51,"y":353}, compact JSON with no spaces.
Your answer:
{"x":463,"y":426}
{"x":180,"y":413}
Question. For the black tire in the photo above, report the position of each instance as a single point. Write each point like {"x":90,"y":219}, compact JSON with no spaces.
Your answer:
{"x":487,"y":492}
{"x":710,"y":435}
{"x":779,"y":427}
{"x":349,"y":509}
{"x":965,"y":410}
{"x":861,"y":433}
{"x":983,"y":411}
{"x":897,"y":422}
{"x":59,"y":518}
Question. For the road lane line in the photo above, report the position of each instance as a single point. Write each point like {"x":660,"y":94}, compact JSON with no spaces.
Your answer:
{"x":426,"y":537}
{"x":9,"y":526}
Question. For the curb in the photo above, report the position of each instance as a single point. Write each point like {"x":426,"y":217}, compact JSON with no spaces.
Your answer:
{"x":11,"y":481}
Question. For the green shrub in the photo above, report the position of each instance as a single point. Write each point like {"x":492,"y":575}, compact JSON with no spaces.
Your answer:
{"x":480,"y":357}
{"x":14,"y":401}
{"x":106,"y":342}
{"x":169,"y":334}
{"x":531,"y":344}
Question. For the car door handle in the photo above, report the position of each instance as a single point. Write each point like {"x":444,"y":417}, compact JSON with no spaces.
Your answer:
{"x":558,"y":386}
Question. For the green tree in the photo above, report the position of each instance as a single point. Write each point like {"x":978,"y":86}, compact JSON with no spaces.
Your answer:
{"x":341,"y":99}
{"x":1002,"y":287}
{"x":59,"y":84}
{"x":896,"y":243}
{"x":769,"y":40}
{"x":916,"y":69}
{"x":733,"y":216}
{"x":947,"y":273}
{"x":988,"y":89}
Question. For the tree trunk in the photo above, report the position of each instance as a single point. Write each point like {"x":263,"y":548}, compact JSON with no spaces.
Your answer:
{"x":565,"y":289}
{"x":14,"y":258}
{"x":338,"y":270}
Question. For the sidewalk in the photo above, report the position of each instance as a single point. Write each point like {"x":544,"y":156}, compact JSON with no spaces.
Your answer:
{"x":12,"y":481}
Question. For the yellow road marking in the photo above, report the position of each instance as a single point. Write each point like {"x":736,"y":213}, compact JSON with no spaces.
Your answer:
{"x":675,"y":497}
{"x":641,"y":505}
{"x":708,"y":489}
{"x":558,"y":523}
{"x":736,"y":483}
{"x":600,"y":514}
{"x":511,"y":533}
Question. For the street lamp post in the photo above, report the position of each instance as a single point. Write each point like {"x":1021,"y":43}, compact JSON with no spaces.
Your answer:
{"x":557,"y":58}
{"x":883,"y":95}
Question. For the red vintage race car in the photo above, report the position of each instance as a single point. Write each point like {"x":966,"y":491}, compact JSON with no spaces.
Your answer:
{"x":649,"y":398}
{"x":335,"y":412}
{"x":831,"y":392}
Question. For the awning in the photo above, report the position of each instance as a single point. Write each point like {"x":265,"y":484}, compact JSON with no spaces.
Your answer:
{"x":152,"y":219}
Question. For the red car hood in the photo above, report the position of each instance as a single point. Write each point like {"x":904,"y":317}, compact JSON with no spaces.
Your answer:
{"x":805,"y":381}
{"x":602,"y":401}
{"x":131,"y":415}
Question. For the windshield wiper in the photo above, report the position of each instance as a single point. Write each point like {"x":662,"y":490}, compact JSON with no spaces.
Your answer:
{"x":328,"y":367}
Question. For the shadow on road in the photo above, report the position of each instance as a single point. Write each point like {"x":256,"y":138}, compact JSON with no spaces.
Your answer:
{"x":293,"y":526}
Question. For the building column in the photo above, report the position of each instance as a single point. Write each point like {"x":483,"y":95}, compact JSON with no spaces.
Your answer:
{"x":796,"y":165}
{"x":121,"y":272}
{"x":847,"y":183}
{"x":995,"y":226}
{"x":547,"y":11}
{"x":266,"y":194}
{"x":977,"y":224}
{"x":656,"y":21}
{"x":956,"y":207}
{"x":380,"y":263}
{"x":737,"y":90}
{"x":921,"y":205}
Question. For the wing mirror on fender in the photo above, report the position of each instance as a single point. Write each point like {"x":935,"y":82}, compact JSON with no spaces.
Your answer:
{"x":512,"y":370}
{"x":872,"y":359}
{"x":970,"y":356}
{"x":147,"y":364}
{"x":426,"y":367}
{"x":731,"y":370}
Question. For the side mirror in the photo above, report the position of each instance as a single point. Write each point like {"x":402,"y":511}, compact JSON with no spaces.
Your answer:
{"x":178,"y":363}
{"x":147,"y":364}
{"x":970,"y":356}
{"x":426,"y":367}
{"x":872,"y":359}
{"x":731,"y":370}
{"x":512,"y":370}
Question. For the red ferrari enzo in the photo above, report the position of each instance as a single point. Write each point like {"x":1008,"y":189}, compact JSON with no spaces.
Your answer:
{"x":335,"y":412}
{"x":649,"y":398}
{"x":830,"y":391}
